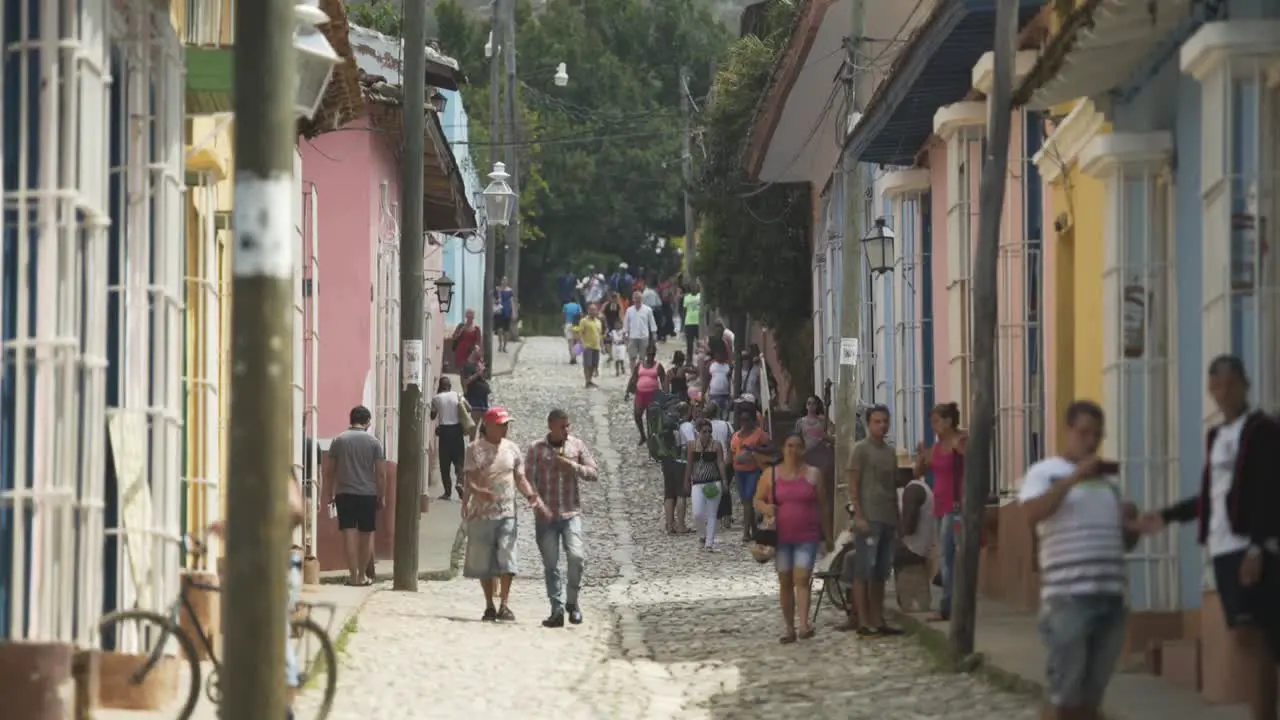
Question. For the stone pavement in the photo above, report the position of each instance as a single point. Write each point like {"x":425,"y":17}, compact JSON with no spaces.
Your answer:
{"x":671,"y":632}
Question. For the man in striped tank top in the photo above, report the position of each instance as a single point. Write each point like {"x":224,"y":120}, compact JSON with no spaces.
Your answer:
{"x":1073,"y":502}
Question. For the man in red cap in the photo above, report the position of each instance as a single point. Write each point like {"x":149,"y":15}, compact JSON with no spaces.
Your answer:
{"x":494,"y":470}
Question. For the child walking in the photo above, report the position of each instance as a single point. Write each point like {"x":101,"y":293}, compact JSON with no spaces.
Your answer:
{"x":618,"y":343}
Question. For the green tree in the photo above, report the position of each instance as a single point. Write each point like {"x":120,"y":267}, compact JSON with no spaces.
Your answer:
{"x":753,"y":250}
{"x":600,"y":158}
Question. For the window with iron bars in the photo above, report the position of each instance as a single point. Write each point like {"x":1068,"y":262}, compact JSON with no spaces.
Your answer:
{"x":53,"y":320}
{"x":1240,"y":166}
{"x":386,"y":415}
{"x":911,"y":331}
{"x":1019,"y":381}
{"x":146,"y":307}
{"x":1139,"y":320}
{"x":964,"y":160}
{"x":206,"y":258}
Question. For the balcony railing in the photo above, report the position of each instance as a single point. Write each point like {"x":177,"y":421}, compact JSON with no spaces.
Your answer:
{"x":205,"y":23}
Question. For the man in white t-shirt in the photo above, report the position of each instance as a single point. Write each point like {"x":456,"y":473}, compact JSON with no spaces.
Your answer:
{"x":1237,"y":513}
{"x":1073,"y":503}
{"x":640,"y":327}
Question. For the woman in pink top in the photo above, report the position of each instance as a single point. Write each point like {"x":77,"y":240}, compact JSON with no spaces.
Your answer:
{"x":946,"y":461}
{"x":789,"y":493}
{"x":647,"y":378}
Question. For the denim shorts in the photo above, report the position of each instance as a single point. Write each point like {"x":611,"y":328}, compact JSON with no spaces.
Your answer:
{"x":491,"y":548}
{"x":873,"y":552}
{"x":796,"y":556}
{"x":746,"y":481}
{"x":1084,"y":636}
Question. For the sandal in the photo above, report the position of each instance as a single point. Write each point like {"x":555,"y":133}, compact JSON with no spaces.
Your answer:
{"x":806,"y":633}
{"x":789,"y":638}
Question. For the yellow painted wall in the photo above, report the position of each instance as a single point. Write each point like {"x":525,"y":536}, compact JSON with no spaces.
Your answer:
{"x":1089,"y":202}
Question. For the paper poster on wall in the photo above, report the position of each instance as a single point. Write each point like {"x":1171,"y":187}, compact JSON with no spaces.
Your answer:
{"x":849,"y":352}
{"x":128,"y":436}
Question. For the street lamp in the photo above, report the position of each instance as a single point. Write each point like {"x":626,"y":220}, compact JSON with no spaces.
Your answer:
{"x":316,"y":57}
{"x":499,"y":200}
{"x":562,"y":75}
{"x":878,"y":243}
{"x":444,"y":292}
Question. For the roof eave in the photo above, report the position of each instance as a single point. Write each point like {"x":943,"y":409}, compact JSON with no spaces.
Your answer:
{"x":786,"y":71}
{"x":1055,"y":52}
{"x":920,"y":49}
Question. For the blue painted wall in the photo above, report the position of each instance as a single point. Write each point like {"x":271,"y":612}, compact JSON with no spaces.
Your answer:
{"x":466,"y":269}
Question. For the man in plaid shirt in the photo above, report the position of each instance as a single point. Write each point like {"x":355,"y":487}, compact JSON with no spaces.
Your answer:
{"x":556,"y":465}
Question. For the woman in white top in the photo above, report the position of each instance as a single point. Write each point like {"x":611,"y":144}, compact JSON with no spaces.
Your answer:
{"x":451,"y":448}
{"x":719,"y":373}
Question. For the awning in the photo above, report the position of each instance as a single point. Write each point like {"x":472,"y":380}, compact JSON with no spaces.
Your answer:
{"x":934,"y":69}
{"x":1098,"y":48}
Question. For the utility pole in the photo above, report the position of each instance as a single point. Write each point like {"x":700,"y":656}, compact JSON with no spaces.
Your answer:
{"x":512,"y":155}
{"x":686,"y":162}
{"x":258,"y":532}
{"x":850,"y":291}
{"x":409,"y":476}
{"x":977,"y":459}
{"x":495,"y":140}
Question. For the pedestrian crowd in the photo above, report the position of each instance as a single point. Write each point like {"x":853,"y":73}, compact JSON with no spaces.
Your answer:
{"x":705,"y":417}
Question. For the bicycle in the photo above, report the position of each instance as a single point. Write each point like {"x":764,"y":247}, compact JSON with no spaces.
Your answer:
{"x":156,"y":630}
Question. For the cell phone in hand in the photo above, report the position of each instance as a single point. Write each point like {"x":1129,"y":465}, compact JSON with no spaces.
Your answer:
{"x":333,"y":510}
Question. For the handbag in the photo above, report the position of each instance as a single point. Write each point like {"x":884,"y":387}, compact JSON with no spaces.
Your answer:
{"x":464,"y":416}
{"x":766,"y":534}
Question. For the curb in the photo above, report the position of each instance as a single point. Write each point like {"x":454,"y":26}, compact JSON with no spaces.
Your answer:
{"x":937,"y":645}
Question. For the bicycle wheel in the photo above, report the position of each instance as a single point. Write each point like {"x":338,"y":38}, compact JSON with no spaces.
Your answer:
{"x":146,"y":629}
{"x":314,"y":652}
{"x":838,"y":591}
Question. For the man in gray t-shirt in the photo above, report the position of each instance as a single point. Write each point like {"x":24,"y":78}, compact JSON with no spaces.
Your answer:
{"x":873,"y":493}
{"x":355,"y":469}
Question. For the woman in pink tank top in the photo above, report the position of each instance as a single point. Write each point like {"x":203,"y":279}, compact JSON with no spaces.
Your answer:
{"x":647,"y":378}
{"x":789,"y":494}
{"x":946,"y":461}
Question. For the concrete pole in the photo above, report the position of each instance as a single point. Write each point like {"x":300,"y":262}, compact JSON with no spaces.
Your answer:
{"x":512,"y":153}
{"x":977,"y":460}
{"x":495,"y":141}
{"x":409,"y":477}
{"x":850,"y":297}
{"x":258,"y":532}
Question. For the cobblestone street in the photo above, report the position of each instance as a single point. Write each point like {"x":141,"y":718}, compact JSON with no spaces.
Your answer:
{"x":670,"y":631}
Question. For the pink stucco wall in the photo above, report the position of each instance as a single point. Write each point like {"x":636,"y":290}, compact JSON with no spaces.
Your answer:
{"x":348,"y":168}
{"x":343,"y":166}
{"x":937,"y":153}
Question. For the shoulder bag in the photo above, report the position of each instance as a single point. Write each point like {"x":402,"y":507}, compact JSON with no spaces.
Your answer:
{"x":766,"y":533}
{"x":464,"y":416}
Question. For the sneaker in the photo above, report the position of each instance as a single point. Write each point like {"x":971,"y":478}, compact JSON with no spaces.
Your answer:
{"x":575,"y":614}
{"x":490,"y":615}
{"x":556,"y":620}
{"x":505,"y":614}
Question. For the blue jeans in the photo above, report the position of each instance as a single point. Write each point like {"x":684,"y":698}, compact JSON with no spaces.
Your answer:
{"x":1084,"y":636}
{"x":551,"y":535}
{"x":947,"y":551}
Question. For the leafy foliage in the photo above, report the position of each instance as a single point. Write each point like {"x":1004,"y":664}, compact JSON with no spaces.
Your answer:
{"x":600,"y":159}
{"x":753,"y":249}
{"x":381,"y":15}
